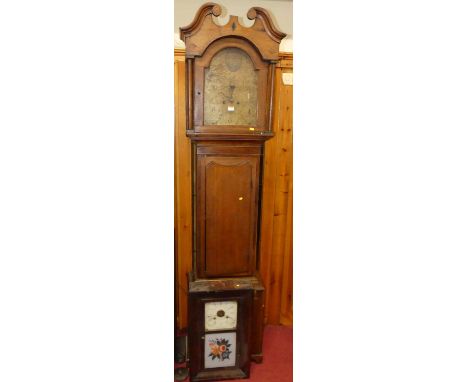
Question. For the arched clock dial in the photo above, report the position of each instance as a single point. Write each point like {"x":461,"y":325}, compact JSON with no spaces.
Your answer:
{"x":220,"y":315}
{"x":231,"y":89}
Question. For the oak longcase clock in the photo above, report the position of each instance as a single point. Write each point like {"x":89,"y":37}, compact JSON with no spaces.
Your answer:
{"x":230,"y":73}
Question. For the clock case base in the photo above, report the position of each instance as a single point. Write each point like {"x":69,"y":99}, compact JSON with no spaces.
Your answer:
{"x":251,"y":290}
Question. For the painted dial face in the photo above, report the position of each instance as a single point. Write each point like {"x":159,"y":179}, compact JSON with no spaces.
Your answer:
{"x":231,"y":89}
{"x":220,"y":315}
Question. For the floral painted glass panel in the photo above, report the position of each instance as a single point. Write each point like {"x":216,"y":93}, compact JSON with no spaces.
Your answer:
{"x":231,"y":89}
{"x":220,"y":350}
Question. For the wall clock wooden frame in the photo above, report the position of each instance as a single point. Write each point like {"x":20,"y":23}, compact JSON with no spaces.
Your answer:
{"x":200,"y":296}
{"x":227,"y":179}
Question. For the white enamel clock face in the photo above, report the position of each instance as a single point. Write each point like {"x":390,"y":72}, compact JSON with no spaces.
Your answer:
{"x":220,"y":315}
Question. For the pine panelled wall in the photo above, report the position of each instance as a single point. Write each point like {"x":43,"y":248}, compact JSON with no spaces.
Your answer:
{"x":276,"y":221}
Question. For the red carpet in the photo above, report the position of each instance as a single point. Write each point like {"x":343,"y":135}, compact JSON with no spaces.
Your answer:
{"x":277,"y":357}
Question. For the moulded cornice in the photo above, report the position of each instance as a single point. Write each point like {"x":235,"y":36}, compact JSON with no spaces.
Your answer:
{"x":203,"y":31}
{"x":263,"y":15}
{"x":204,"y":11}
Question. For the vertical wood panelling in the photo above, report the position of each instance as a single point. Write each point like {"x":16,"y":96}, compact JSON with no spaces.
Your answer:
{"x":286,"y":312}
{"x":183,"y":190}
{"x":276,"y":220}
{"x":276,"y":228}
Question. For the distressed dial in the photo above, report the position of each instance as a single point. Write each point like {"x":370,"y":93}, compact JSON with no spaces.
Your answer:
{"x":231,"y":89}
{"x":220,"y":315}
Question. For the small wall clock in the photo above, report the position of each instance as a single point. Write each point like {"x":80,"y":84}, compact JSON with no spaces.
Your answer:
{"x":219,"y":339}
